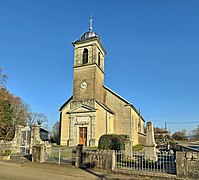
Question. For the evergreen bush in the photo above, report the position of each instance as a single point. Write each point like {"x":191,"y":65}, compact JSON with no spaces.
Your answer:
{"x":112,"y":141}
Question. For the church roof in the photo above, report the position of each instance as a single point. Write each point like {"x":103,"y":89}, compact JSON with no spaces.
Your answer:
{"x":68,"y":101}
{"x":88,"y":36}
{"x":90,"y":33}
{"x":104,"y":106}
{"x":85,"y":106}
{"x":82,"y":109}
{"x":124,"y":100}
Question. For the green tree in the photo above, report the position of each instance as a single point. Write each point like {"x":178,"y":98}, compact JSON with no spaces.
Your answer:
{"x":158,"y":130}
{"x":13,"y":111}
{"x":179,"y":135}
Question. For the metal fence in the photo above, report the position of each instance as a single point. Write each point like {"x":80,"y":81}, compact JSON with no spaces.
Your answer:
{"x":60,"y":156}
{"x":136,"y":161}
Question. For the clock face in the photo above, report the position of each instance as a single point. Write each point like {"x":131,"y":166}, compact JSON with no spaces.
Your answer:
{"x":83,"y":85}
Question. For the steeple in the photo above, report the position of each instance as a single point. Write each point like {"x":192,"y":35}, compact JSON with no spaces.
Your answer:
{"x":89,"y":56}
{"x":90,"y":33}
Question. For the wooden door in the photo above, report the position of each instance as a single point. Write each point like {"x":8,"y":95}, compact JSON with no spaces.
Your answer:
{"x":83,"y":135}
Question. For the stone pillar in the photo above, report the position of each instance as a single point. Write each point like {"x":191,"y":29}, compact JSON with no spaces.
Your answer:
{"x":128,"y":147}
{"x":92,"y":135}
{"x":38,"y":153}
{"x":70,"y":141}
{"x":109,"y":159}
{"x":79,"y":149}
{"x":16,"y":142}
{"x":150,"y":153}
{"x":35,"y":136}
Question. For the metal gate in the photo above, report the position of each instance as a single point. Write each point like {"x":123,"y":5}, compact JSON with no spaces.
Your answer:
{"x":61,"y":155}
{"x":25,"y":140}
{"x":136,"y":161}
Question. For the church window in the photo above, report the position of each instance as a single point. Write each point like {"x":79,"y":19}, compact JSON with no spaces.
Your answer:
{"x":85,"y":56}
{"x":139,"y":126}
{"x":99,"y":59}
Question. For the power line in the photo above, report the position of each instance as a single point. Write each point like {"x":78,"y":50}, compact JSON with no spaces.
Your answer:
{"x":193,"y":122}
{"x":185,"y":122}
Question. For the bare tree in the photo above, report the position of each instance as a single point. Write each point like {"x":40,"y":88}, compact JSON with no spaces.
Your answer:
{"x":55,"y":132}
{"x":196,"y":133}
{"x":3,"y":79}
{"x":37,"y":118}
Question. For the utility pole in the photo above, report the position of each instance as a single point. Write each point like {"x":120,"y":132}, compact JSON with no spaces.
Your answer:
{"x":165,"y":126}
{"x":166,"y":131}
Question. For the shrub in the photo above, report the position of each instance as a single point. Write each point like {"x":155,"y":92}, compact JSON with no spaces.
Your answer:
{"x":112,"y":141}
{"x":7,"y":152}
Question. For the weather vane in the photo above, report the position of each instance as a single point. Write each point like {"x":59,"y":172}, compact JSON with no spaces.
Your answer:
{"x":91,"y":24}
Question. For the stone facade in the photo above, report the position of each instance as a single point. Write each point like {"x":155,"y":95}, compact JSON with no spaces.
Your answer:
{"x":94,"y":109}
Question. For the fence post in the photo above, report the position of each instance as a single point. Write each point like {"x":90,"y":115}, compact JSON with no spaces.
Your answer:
{"x":113,"y":160}
{"x":128,"y":147}
{"x":79,"y":149}
{"x":59,"y":156}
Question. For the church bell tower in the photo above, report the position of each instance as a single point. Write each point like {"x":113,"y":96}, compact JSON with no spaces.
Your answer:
{"x":89,"y":56}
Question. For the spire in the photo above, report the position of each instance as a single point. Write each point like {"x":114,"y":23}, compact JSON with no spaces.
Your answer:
{"x":91,"y":24}
{"x":89,"y":33}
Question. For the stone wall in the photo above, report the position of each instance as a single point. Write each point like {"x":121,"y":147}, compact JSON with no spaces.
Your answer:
{"x":141,"y":138}
{"x":178,"y":147}
{"x":187,"y":164}
{"x":14,"y":145}
{"x":104,"y":159}
{"x":64,"y":125}
{"x":126,"y":118}
{"x":5,"y":145}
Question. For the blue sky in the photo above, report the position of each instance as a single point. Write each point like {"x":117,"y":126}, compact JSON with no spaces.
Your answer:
{"x":152,"y":54}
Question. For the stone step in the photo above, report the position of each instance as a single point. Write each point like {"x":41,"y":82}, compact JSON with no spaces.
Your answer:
{"x":19,"y":158}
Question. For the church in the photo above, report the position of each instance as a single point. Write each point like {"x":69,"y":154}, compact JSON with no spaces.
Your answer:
{"x":94,"y":109}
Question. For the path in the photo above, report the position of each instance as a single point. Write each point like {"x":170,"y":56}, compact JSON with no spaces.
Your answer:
{"x":34,"y":171}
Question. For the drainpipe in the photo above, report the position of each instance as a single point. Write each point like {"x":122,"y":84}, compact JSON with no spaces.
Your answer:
{"x":106,"y":123}
{"x":91,"y":126}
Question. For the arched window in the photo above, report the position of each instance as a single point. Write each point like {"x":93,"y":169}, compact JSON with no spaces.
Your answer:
{"x":85,"y":56}
{"x":139,"y":126}
{"x":99,"y":59}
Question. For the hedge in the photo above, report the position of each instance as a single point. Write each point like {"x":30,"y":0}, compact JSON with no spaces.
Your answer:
{"x":112,"y":141}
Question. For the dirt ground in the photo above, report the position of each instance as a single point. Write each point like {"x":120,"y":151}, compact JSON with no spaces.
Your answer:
{"x":44,"y":171}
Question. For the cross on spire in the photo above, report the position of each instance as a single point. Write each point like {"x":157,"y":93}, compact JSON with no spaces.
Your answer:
{"x":91,"y":24}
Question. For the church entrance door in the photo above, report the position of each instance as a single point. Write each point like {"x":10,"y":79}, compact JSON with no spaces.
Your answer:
{"x":83,"y":135}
